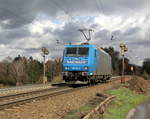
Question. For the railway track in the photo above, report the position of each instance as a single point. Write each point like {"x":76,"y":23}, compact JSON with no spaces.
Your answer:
{"x":21,"y":98}
{"x":11,"y":100}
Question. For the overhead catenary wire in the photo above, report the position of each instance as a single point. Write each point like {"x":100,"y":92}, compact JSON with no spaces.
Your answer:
{"x":66,"y":11}
{"x":100,"y":7}
{"x":73,"y":14}
{"x":101,"y":4}
{"x":60,"y":7}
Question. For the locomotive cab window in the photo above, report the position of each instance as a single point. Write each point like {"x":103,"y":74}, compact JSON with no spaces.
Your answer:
{"x":71,"y":52}
{"x":95,"y":53}
{"x":83,"y":51}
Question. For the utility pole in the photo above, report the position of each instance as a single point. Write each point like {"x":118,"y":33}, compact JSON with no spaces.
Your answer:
{"x":124,"y":49}
{"x":45,"y":52}
{"x":87,"y":37}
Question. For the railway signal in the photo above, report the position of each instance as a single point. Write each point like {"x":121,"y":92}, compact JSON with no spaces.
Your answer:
{"x":124,"y":49}
{"x":44,"y":53}
{"x":132,"y":68}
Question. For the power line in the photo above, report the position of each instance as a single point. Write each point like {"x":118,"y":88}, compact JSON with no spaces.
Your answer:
{"x":62,"y":8}
{"x":66,"y":11}
{"x":99,"y":6}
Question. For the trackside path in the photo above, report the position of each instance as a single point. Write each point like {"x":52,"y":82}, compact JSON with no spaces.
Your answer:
{"x":142,"y":111}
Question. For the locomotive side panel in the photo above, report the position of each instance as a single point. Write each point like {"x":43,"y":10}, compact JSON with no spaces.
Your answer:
{"x":103,"y":63}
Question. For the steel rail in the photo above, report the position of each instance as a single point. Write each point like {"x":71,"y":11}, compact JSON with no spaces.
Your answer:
{"x":5,"y":97}
{"x":17,"y":99}
{"x":5,"y":103}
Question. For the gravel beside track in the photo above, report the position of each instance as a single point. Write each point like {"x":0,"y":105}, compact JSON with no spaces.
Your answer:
{"x":55,"y":107}
{"x":16,"y":99}
{"x":25,"y":88}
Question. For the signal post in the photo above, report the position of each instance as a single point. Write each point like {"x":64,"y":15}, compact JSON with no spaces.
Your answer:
{"x":44,"y":53}
{"x":124,"y":49}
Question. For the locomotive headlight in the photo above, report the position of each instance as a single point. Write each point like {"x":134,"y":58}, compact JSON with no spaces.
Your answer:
{"x":91,"y":73}
{"x":66,"y":68}
{"x":85,"y":68}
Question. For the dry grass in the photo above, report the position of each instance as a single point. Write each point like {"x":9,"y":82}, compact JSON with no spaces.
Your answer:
{"x":57,"y":79}
{"x":146,"y":76}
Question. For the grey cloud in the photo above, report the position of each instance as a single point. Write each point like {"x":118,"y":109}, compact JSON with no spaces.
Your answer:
{"x":18,"y":33}
{"x":3,"y":40}
{"x":147,"y":17}
{"x":102,"y":34}
{"x":131,"y":31}
{"x":116,"y":34}
{"x":22,"y":12}
{"x":91,"y":7}
{"x":94,"y":26}
{"x":9,"y":36}
{"x":69,"y":33}
{"x":17,"y":12}
{"x":131,"y":34}
{"x":142,"y":42}
{"x":124,"y":7}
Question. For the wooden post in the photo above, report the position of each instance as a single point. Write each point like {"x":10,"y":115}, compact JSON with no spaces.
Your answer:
{"x":43,"y":68}
{"x":123,"y":50}
{"x":123,"y":67}
{"x":45,"y":52}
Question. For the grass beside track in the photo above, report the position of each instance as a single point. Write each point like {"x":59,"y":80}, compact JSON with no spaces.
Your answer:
{"x":78,"y":113}
{"x":124,"y":102}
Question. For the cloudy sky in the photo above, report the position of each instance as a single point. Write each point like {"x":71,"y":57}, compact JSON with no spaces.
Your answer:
{"x":28,"y":25}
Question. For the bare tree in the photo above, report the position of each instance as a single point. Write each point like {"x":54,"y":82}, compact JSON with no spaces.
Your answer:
{"x":53,"y":68}
{"x":5,"y":72}
{"x":17,"y":71}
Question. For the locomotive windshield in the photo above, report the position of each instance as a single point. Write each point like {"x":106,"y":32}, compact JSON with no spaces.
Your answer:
{"x":83,"y":51}
{"x":71,"y":52}
{"x":77,"y":51}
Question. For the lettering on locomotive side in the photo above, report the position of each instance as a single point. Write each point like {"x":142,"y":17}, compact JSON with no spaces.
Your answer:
{"x":77,"y":62}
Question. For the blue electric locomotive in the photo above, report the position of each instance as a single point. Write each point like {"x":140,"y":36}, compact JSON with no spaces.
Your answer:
{"x":85,"y":62}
